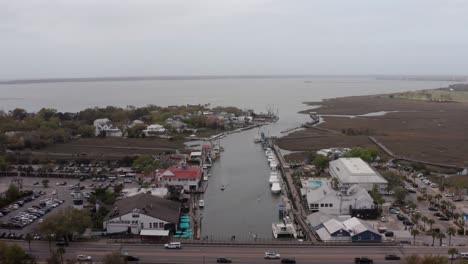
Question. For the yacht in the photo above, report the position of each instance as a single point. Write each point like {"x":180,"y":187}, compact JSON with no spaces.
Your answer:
{"x":275,"y":187}
{"x":286,"y":228}
{"x":201,"y":203}
{"x":273,"y":179}
{"x":273,"y":165}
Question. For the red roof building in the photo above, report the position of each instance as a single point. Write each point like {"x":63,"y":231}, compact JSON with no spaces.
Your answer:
{"x":187,"y":176}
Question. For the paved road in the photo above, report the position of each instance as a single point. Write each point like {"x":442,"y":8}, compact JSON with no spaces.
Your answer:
{"x":197,"y":254}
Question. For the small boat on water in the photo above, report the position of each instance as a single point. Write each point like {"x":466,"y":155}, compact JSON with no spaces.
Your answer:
{"x":222,"y":188}
{"x":201,"y":203}
{"x":257,"y":139}
{"x":205,"y":178}
{"x":276,"y":188}
{"x":273,"y":165}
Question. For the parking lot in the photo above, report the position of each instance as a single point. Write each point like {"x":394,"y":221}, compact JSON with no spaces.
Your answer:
{"x":57,"y":195}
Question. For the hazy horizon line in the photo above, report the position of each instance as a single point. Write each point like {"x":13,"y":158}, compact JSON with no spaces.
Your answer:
{"x":415,"y":77}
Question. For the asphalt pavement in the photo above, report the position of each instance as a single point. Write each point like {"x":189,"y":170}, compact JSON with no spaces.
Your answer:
{"x":153,"y":253}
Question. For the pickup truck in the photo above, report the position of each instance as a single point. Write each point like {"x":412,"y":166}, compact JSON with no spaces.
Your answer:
{"x":363,"y":260}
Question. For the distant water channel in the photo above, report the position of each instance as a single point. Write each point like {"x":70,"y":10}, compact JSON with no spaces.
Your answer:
{"x":247,"y":204}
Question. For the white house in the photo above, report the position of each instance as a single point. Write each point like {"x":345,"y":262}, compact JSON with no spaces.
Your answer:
{"x":321,"y":197}
{"x":352,"y":171}
{"x":142,"y":212}
{"x":188,"y":177}
{"x":105,"y":125}
{"x":154,"y":130}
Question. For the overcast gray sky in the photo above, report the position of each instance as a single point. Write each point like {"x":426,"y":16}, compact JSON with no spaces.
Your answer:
{"x":87,"y":38}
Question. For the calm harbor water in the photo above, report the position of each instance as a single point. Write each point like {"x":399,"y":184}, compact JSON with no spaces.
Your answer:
{"x":247,"y":204}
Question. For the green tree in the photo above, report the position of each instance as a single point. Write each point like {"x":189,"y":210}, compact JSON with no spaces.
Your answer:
{"x":400,"y":194}
{"x":136,"y":130}
{"x":367,"y":154}
{"x":321,"y":162}
{"x":430,"y":222}
{"x":451,"y":231}
{"x":45,"y":183}
{"x":452,"y":252}
{"x":424,"y":219}
{"x":441,"y":237}
{"x":28,"y":238}
{"x":145,"y":164}
{"x":54,"y":258}
{"x":113,"y":258}
{"x":61,"y":251}
{"x":3,"y":164}
{"x":13,"y":193}
{"x":414,"y":233}
{"x":66,"y":222}
{"x":434,"y":235}
{"x":14,"y":254}
{"x":86,"y":131}
{"x":376,"y":195}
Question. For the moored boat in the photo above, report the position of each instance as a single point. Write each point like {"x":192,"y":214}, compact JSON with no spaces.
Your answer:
{"x":201,"y":203}
{"x":276,"y":188}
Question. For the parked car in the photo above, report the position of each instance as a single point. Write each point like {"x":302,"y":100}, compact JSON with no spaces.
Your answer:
{"x":272,"y":255}
{"x":444,"y":218}
{"x":401,"y":217}
{"x":223,"y":260}
{"x":392,"y":257}
{"x":433,"y":209}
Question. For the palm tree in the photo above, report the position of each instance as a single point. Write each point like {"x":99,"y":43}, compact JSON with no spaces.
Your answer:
{"x":433,"y":235}
{"x":452,"y":208}
{"x":61,"y":251}
{"x":430,"y":198}
{"x":424,"y":219}
{"x":438,"y":197}
{"x":430,"y":222}
{"x":451,"y":232}
{"x":452,"y":252}
{"x":28,"y":239}
{"x":441,"y":236}
{"x":414,"y":233}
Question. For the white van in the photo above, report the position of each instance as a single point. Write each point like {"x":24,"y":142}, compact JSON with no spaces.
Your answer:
{"x":173,"y":245}
{"x":464,"y":255}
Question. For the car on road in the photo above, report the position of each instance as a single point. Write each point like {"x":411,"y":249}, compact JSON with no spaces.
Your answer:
{"x":131,"y":258}
{"x":392,"y":257}
{"x":272,"y":255}
{"x":84,"y":258}
{"x":61,"y":243}
{"x":223,"y":260}
{"x":288,"y":260}
{"x":363,"y":260}
{"x":173,"y":245}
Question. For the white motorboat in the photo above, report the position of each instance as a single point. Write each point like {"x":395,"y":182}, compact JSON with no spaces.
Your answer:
{"x":205,"y":178}
{"x":276,"y":188}
{"x":201,"y":203}
{"x":268,"y":152}
{"x":257,"y":139}
{"x":273,"y":165}
{"x":273,"y":179}
{"x":284,"y":229}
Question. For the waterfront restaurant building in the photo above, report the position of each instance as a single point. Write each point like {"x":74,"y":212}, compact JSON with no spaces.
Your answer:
{"x":143,"y":213}
{"x":355,"y":171}
{"x":188,"y":177}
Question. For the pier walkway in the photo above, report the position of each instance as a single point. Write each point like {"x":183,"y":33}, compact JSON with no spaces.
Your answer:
{"x":298,"y":211}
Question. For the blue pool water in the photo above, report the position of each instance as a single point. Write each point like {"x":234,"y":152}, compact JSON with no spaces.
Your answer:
{"x":315,"y":183}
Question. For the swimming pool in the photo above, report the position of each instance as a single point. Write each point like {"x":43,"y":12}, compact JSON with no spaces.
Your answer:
{"x":314,"y":183}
